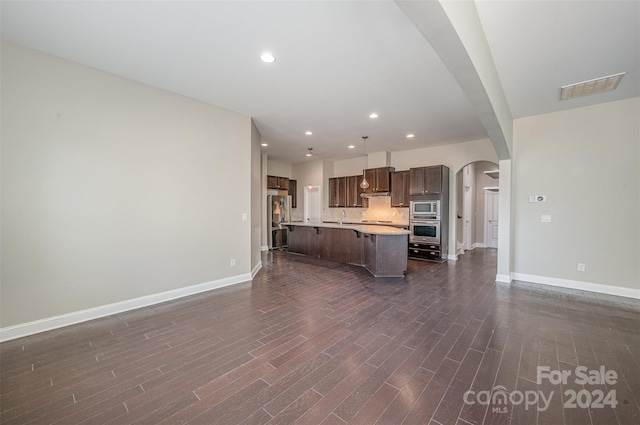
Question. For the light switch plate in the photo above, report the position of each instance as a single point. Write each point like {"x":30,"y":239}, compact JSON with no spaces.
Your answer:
{"x":532,"y":198}
{"x":244,"y":216}
{"x":545,"y":218}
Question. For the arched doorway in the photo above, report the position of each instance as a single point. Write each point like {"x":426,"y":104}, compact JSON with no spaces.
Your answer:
{"x":476,"y":214}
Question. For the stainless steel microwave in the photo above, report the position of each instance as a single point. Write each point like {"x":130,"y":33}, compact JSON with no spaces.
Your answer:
{"x":424,"y":209}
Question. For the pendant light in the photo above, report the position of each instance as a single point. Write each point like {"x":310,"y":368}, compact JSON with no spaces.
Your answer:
{"x":364,"y":184}
{"x":310,"y":153}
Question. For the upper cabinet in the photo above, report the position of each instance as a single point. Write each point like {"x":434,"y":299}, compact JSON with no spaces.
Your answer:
{"x":354,"y":191}
{"x":293,"y":191}
{"x":427,"y":180}
{"x":337,"y":192}
{"x":400,"y":189}
{"x":280,"y":183}
{"x":379,"y":179}
{"x":345,"y":192}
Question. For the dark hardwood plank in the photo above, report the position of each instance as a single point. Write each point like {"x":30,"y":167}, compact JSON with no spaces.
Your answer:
{"x":311,"y":341}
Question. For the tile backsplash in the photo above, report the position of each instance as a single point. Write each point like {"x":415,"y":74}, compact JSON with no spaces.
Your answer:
{"x":379,"y":209}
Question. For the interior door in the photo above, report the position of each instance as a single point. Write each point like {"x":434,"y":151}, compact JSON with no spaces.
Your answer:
{"x":467,"y":216}
{"x":312,"y":204}
{"x":491,"y":198}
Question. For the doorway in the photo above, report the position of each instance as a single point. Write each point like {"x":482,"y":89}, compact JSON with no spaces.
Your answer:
{"x":477,"y":202}
{"x":312,"y":204}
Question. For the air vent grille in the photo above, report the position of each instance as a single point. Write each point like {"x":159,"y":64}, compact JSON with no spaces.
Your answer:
{"x":585,"y":88}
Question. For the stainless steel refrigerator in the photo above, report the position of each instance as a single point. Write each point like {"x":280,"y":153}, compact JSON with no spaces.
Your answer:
{"x":278,"y":212}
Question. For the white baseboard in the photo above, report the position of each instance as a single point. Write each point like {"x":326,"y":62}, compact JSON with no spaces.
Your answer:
{"x":55,"y":322}
{"x":578,"y":285}
{"x":452,"y":257}
{"x":264,"y":248}
{"x":256,"y":269}
{"x":504,"y":278}
{"x":479,"y":245}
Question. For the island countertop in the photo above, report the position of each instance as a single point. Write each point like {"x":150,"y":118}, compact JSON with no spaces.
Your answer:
{"x":382,"y":250}
{"x":367,"y":229}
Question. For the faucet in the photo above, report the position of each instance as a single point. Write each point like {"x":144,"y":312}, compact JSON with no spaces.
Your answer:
{"x":342,"y":216}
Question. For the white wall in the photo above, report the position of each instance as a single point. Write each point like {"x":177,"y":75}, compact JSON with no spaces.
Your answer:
{"x":113,"y":190}
{"x":349,"y":167}
{"x":280,"y":169}
{"x":586,"y":161}
{"x":454,"y":156}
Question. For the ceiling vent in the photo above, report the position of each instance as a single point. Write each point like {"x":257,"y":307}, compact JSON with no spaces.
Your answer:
{"x":585,"y":88}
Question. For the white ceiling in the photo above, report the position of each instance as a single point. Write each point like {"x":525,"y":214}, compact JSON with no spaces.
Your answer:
{"x":337,"y":62}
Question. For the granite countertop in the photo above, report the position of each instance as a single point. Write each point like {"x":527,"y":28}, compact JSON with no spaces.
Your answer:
{"x":378,"y":223}
{"x":370,"y":229}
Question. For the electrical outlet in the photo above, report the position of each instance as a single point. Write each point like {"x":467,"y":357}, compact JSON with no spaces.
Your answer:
{"x":581,"y":267}
{"x":233,"y":262}
{"x":545,"y":218}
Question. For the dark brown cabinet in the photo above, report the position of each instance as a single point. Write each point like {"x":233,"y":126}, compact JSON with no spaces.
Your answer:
{"x":427,"y":180}
{"x":400,"y":189}
{"x":343,"y":245}
{"x":394,"y":250}
{"x":275,"y":182}
{"x":382,"y":255}
{"x":379,"y":179}
{"x":345,"y":192}
{"x":422,"y":251}
{"x":354,"y":191}
{"x":293,"y":191}
{"x":337,"y":192}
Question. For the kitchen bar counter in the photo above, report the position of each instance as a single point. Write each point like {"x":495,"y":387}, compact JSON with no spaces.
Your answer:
{"x":382,"y":250}
{"x":369,"y":229}
{"x":370,"y":223}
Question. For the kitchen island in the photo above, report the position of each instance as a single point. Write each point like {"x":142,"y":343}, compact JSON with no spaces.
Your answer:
{"x":382,"y":250}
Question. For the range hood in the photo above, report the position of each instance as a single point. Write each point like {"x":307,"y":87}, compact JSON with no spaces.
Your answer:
{"x":374,"y":194}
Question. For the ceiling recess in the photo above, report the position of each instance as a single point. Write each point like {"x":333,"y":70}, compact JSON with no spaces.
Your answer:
{"x":585,"y":88}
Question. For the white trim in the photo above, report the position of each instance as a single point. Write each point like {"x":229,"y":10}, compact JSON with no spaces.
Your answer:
{"x":264,"y":248}
{"x":452,"y":257}
{"x":581,"y":286}
{"x":256,"y":269}
{"x":504,"y":278}
{"x":55,"y":322}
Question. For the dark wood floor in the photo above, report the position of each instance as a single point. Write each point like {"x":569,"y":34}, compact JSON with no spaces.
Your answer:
{"x":313,"y":342}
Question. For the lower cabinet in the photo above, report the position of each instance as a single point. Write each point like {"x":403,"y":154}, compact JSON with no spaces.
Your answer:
{"x":421,"y":251}
{"x":303,"y":240}
{"x":370,"y":253}
{"x":383,"y":255}
{"x":341,"y":245}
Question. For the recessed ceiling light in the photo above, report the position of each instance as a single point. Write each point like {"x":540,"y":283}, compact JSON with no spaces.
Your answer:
{"x":308,"y":133}
{"x":374,"y":115}
{"x":264,"y":144}
{"x":410,"y":136}
{"x":594,"y":86}
{"x":267,"y":58}
{"x":351,"y":147}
